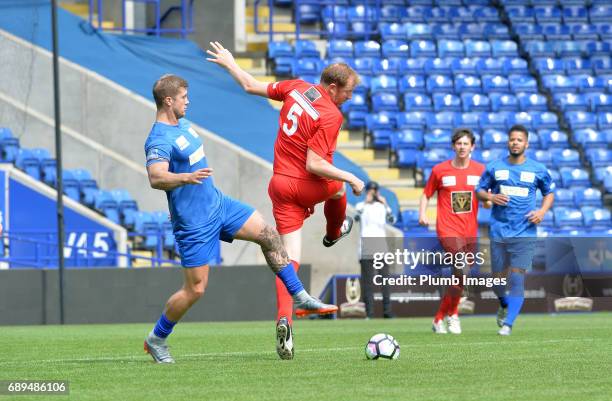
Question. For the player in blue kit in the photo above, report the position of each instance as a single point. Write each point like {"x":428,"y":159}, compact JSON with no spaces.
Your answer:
{"x":513,"y":182}
{"x":201,"y":214}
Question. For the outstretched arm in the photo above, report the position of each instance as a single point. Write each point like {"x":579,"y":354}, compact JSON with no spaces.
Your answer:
{"x":223,"y":57}
{"x":162,"y":179}
{"x":315,"y":164}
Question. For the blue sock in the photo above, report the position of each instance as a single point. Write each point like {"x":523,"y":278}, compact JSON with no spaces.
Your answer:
{"x":516,"y":297}
{"x":500,"y":291}
{"x":290,"y":279}
{"x":163,"y":327}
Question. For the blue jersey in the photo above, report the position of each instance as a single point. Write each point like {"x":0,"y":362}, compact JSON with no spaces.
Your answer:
{"x":520,"y":182}
{"x":193,"y":207}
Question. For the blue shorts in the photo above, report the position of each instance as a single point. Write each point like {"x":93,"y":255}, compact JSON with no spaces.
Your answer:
{"x":199,"y":247}
{"x":512,"y":252}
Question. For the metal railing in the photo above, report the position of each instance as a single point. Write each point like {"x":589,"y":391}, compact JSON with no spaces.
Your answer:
{"x":186,"y":10}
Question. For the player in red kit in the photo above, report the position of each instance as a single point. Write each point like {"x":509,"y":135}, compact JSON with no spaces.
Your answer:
{"x":304,"y":175}
{"x":457,"y":217}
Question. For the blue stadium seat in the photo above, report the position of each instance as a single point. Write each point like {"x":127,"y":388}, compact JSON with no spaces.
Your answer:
{"x":28,"y":162}
{"x":439,"y":83}
{"x":495,"y":83}
{"x":305,"y":49}
{"x":381,"y":120}
{"x":450,"y":48}
{"x":589,"y":138}
{"x":283,"y":65}
{"x":383,"y":83}
{"x":334,"y":28}
{"x":601,"y":102}
{"x":380,"y":138}
{"x":441,"y":120}
{"x":532,"y":102}
{"x":308,"y":13}
{"x":503,"y":102}
{"x":571,"y":102}
{"x":71,"y":185}
{"x":412,"y":83}
{"x":580,"y":119}
{"x":601,"y":13}
{"x":467,"y":83}
{"x":406,"y":157}
{"x":549,"y":65}
{"x":553,"y":139}
{"x":469,"y":120}
{"x":127,"y":207}
{"x":335,"y":13}
{"x":392,"y":31}
{"x":363,"y":87}
{"x":140,"y":218}
{"x":599,"y":48}
{"x":584,"y":32}
{"x":407,"y":139}
{"x":560,"y":83}
{"x":522,"y":118}
{"x":106,"y":204}
{"x":447,"y":31}
{"x":575,"y":14}
{"x":486,"y":156}
{"x":412,"y":120}
{"x":485,"y":14}
{"x":446,"y":102}
{"x":604,"y":120}
{"x":417,"y":102}
{"x":602,"y":64}
{"x":495,"y":30}
{"x":10,"y":147}
{"x":477,"y":48}
{"x":395,"y":48}
{"x":87,"y":186}
{"x":504,"y":48}
{"x":357,"y":119}
{"x":418,"y":31}
{"x":599,"y":157}
{"x":357,"y":103}
{"x":594,"y":84}
{"x":528,"y":31}
{"x":596,"y":217}
{"x":587,"y":197}
{"x":361,"y":12}
{"x":422,"y":48}
{"x":386,"y":66}
{"x":459,"y":14}
{"x":438,"y":138}
{"x":430,"y":158}
{"x":306,"y":66}
{"x":436,"y":14}
{"x":541,"y":156}
{"x":390,"y":13}
{"x":574,"y":177}
{"x":495,"y":120}
{"x":570,"y":48}
{"x":557,"y":32}
{"x":515,"y":66}
{"x":464,"y":65}
{"x":475,"y":102}
{"x":537,"y":48}
{"x":410,"y":218}
{"x":440,"y":66}
{"x":367,"y":48}
{"x":384,"y":102}
{"x":339,"y":48}
{"x":601,"y":173}
{"x":310,"y":78}
{"x":565,"y":158}
{"x":364,"y":65}
{"x":279,"y":49}
{"x":413,"y":66}
{"x":492,"y":138}
{"x":565,"y":216}
{"x":564,"y":197}
{"x":414,"y":14}
{"x":522,"y":84}
{"x":520,"y":14}
{"x":546,"y":120}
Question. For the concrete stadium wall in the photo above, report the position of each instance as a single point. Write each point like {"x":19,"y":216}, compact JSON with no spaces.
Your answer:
{"x":133,"y":295}
{"x":104,"y":128}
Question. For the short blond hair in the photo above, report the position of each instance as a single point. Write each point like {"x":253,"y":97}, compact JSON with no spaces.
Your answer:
{"x":339,"y":74}
{"x":167,"y":85}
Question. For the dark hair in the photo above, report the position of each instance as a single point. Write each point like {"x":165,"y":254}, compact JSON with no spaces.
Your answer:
{"x":372,"y":185}
{"x":460,"y":133}
{"x":339,"y":74}
{"x":167,"y":86}
{"x":519,"y":128}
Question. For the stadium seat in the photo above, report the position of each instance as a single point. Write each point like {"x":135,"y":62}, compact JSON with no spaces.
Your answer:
{"x":602,"y":65}
{"x":448,"y":31}
{"x":412,"y":66}
{"x":572,"y":14}
{"x":538,"y":48}
{"x":357,"y":103}
{"x":437,"y":138}
{"x":554,"y":32}
{"x":601,"y":173}
{"x":574,"y":66}
{"x":564,"y":197}
{"x":469,"y":120}
{"x":604,"y":120}
{"x":565,"y":216}
{"x":450,"y":48}
{"x":486,"y":156}
{"x":599,"y":157}
{"x":417,"y":102}
{"x":464,"y":65}
{"x":446,"y":102}
{"x":520,"y":13}
{"x":306,"y":66}
{"x":587,"y":197}
{"x":127,"y":206}
{"x":589,"y":138}
{"x":549,"y":65}
{"x":528,"y":31}
{"x":503,"y":102}
{"x":383,"y":83}
{"x":422,"y":48}
{"x":390,"y":13}
{"x":475,"y":102}
{"x":430,"y":158}
{"x":484,"y":14}
{"x":580,"y":119}
{"x":412,"y":83}
{"x":515,"y":66}
{"x":106,"y":204}
{"x":406,"y":158}
{"x":596,"y":217}
{"x":336,"y":13}
{"x":361,"y":12}
{"x":541,"y":156}
{"x":553,"y":139}
{"x":574,"y":177}
{"x":364,"y":65}
{"x":435,"y":14}
{"x":600,"y":102}
{"x":493,"y":138}
{"x":392,"y":31}
{"x":385,"y":66}
{"x":546,"y":120}
{"x":410,"y":218}
{"x":441,"y":120}
{"x":439,"y":83}
{"x":418,"y":31}
{"x":599,"y":48}
{"x":467,"y":83}
{"x":381,"y":120}
{"x":571,"y":102}
{"x":87,"y":186}
{"x":28,"y":162}
{"x":384,"y":102}
{"x":283,"y":65}
{"x":584,"y":32}
{"x":367,"y":48}
{"x":395,"y":48}
{"x":565,"y":158}
{"x":407,"y":139}
{"x":439,"y":66}
{"x":477,"y":48}
{"x":308,"y":13}
{"x":496,"y":31}
{"x":279,"y":49}
{"x":504,"y":48}
{"x":495,"y":120}
{"x":523,"y":84}
{"x":522,"y":117}
{"x":380,"y":138}
{"x":600,"y":13}
{"x":357,"y":119}
{"x":306,"y":49}
{"x":532,"y":102}
{"x":334,"y":28}
{"x":339,"y":48}
{"x":495,"y":83}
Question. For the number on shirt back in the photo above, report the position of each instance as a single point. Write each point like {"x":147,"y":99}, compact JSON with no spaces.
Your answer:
{"x":294,"y":112}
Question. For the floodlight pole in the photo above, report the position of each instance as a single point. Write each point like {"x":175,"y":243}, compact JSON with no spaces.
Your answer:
{"x":58,"y":159}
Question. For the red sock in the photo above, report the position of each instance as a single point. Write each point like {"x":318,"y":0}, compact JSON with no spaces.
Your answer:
{"x":455,"y":292}
{"x":335,"y":211}
{"x":444,"y":302}
{"x":284,"y":300}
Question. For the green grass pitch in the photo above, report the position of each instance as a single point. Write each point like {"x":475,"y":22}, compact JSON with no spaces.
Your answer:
{"x":560,"y":357}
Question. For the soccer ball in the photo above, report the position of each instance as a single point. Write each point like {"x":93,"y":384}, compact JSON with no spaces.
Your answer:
{"x":382,"y":346}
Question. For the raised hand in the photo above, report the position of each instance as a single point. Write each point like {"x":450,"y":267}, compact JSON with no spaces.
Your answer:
{"x":220,"y":55}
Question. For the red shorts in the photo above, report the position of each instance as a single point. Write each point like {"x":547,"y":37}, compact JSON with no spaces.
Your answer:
{"x":293,"y":199}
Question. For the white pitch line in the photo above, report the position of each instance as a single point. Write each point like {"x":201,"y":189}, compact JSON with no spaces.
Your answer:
{"x":247,"y":353}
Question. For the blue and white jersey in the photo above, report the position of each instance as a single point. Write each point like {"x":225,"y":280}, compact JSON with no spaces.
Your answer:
{"x":192,"y":207}
{"x":520,"y":182}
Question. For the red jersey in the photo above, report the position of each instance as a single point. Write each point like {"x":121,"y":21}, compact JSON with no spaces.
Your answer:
{"x":308,"y":119}
{"x":457,"y":203}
